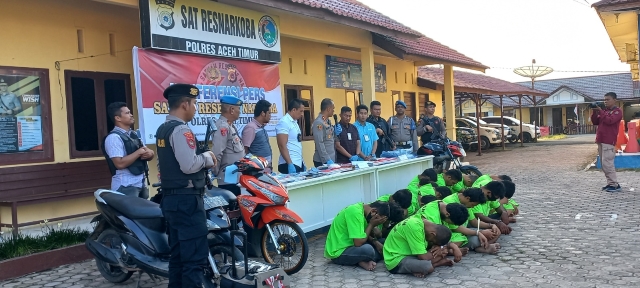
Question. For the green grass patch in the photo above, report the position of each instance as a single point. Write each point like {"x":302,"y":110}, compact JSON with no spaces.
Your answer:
{"x":51,"y":239}
{"x":552,"y":137}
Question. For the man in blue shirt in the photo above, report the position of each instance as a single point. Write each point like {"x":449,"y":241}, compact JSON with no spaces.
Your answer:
{"x":367,"y":132}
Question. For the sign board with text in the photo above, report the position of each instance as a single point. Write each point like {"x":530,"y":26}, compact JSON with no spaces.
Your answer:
{"x":250,"y":81}
{"x":210,"y":28}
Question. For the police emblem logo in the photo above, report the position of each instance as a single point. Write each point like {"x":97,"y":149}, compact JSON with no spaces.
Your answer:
{"x":193,"y":91}
{"x":191,"y":140}
{"x":165,"y":14}
{"x":268,"y":31}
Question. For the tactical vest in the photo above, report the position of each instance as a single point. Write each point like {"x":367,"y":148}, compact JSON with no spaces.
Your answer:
{"x":137,"y":167}
{"x":427,"y":136}
{"x":171,"y":177}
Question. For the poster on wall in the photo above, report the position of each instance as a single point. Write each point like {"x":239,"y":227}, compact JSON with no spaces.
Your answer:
{"x":210,"y":28}
{"x":345,"y":73}
{"x":20,"y":116}
{"x":215,"y":77}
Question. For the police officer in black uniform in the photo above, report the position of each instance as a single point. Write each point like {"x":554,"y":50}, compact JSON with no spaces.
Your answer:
{"x":430,"y":127}
{"x":183,"y":184}
{"x":382,"y":128}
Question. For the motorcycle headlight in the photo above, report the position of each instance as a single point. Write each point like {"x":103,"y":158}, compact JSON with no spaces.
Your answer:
{"x":277,"y":199}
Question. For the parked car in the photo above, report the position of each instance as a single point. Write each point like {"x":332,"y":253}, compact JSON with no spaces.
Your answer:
{"x":467,"y":137}
{"x":488,"y":135}
{"x":514,"y":123}
{"x":509,"y":134}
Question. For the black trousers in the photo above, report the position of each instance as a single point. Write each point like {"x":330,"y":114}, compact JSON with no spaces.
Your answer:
{"x":186,"y":219}
{"x":231,"y":187}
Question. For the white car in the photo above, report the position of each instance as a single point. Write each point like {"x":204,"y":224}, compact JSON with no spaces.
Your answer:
{"x":514,"y":123}
{"x":509,"y":134}
{"x":488,"y":135}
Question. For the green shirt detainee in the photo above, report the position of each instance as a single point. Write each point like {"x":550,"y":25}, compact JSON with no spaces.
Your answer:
{"x":407,"y":238}
{"x":349,"y":224}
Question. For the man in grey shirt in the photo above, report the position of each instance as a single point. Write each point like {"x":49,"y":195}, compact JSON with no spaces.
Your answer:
{"x":254,"y":136}
{"x":324,"y":135}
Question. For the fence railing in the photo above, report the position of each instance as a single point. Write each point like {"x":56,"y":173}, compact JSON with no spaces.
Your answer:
{"x":573,"y":129}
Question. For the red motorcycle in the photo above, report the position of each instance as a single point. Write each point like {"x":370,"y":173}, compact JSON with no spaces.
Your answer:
{"x":282,"y":241}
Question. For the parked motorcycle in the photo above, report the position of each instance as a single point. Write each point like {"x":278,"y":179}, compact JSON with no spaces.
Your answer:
{"x":131,"y":235}
{"x":447,"y":156}
{"x":274,"y":225}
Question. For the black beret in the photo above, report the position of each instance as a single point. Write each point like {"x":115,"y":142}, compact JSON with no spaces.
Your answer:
{"x":181,"y":90}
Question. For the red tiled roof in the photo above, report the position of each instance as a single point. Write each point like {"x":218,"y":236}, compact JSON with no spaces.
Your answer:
{"x":426,"y":46}
{"x":462,"y":80}
{"x":613,"y":2}
{"x":356,"y":10}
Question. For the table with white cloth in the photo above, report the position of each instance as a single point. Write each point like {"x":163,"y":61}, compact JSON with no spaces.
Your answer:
{"x":318,"y":200}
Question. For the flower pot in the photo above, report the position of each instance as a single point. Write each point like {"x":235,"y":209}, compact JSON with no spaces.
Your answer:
{"x":19,"y":266}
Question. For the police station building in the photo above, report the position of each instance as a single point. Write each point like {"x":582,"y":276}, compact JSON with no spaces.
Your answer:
{"x":64,"y":61}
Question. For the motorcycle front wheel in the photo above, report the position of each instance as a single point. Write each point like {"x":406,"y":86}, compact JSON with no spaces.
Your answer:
{"x":113,"y":274}
{"x":292,"y":244}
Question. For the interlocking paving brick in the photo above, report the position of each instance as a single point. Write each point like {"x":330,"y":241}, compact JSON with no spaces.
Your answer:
{"x":566,"y":235}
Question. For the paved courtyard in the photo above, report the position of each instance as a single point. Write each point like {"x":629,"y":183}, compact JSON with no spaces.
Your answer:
{"x":569,"y":234}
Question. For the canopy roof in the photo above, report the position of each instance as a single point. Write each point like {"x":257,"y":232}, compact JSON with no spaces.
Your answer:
{"x":467,"y":82}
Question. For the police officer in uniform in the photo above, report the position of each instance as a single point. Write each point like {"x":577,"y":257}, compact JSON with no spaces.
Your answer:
{"x":430,"y":126}
{"x":323,"y":135}
{"x":227,"y":145}
{"x":183,"y":184}
{"x":403,"y":129}
{"x":382,"y":128}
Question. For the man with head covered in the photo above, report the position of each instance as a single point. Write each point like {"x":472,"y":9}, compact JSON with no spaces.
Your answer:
{"x":227,"y":145}
{"x":183,"y":183}
{"x":403,"y":129}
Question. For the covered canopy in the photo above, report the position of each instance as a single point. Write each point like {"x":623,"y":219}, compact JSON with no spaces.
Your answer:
{"x":477,"y":87}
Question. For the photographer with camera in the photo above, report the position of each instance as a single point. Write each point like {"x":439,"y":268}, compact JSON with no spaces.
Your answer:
{"x":607,"y":117}
{"x":430,"y":127}
{"x":125,"y":153}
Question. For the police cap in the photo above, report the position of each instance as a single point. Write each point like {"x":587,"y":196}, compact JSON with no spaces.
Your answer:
{"x":181,"y":90}
{"x":429,"y":103}
{"x":400,"y":102}
{"x":2,"y":83}
{"x":231,"y":100}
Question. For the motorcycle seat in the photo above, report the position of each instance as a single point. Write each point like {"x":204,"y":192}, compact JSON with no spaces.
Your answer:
{"x":226,"y":194}
{"x":132,"y":207}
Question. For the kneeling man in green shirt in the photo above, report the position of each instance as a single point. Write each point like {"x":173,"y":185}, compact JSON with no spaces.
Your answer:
{"x":349,"y":233}
{"x":405,"y":249}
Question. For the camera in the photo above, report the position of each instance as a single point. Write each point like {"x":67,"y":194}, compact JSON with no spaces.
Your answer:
{"x":596,"y":105}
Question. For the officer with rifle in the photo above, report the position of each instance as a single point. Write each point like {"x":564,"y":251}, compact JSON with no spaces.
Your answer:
{"x":382,"y":128}
{"x":430,"y":127}
{"x":182,"y":176}
{"x":125,"y":153}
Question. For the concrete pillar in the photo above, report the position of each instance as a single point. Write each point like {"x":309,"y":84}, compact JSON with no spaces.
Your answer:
{"x":368,"y":78}
{"x":449,"y":102}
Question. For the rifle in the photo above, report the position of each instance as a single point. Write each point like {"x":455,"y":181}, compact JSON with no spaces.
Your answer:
{"x":140,"y":145}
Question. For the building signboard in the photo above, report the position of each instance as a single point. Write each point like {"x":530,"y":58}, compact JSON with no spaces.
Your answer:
{"x":210,"y":28}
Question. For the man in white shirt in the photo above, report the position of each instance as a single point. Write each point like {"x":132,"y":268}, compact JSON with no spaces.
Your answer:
{"x":289,"y":139}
